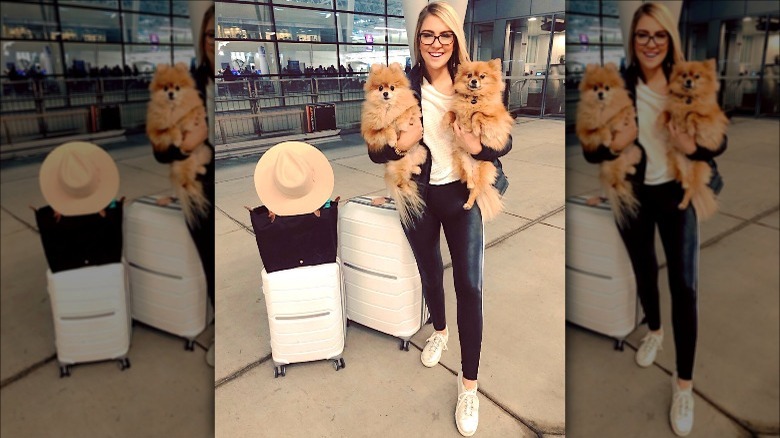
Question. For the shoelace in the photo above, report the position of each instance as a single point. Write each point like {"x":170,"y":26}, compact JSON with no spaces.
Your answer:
{"x":652,"y":341}
{"x":683,"y":400}
{"x":437,"y":340}
{"x":468,"y":398}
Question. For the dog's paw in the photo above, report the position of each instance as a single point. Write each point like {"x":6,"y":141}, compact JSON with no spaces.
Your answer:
{"x":467,"y":206}
{"x":379,"y":200}
{"x":416,"y":170}
{"x":201,"y":170}
{"x":631,"y":170}
{"x":163,"y":201}
{"x":593,"y":201}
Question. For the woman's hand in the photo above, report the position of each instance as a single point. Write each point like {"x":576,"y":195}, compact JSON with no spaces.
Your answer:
{"x":410,"y":137}
{"x":624,"y":138}
{"x":681,"y":140}
{"x":470,"y":139}
{"x":192,"y":138}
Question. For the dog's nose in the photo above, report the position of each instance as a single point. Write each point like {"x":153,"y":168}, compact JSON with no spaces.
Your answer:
{"x":601,"y":94}
{"x":688,"y":82}
{"x":473,"y":82}
{"x":385,"y":94}
{"x":170,"y":95}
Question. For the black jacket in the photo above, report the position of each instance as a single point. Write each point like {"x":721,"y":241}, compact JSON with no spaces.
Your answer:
{"x":602,"y":153}
{"x":423,"y":180}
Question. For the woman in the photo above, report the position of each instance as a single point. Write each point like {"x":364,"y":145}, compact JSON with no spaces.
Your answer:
{"x":439,"y":48}
{"x":653,"y":51}
{"x":203,"y":232}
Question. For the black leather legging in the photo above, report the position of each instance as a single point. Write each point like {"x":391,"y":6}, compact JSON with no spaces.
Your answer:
{"x":679,"y":233}
{"x":464,"y":233}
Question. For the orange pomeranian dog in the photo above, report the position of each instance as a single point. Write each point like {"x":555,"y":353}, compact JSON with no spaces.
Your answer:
{"x":478,"y":108}
{"x":389,"y":108}
{"x":692,"y":108}
{"x":174,"y":109}
{"x":605,"y":108}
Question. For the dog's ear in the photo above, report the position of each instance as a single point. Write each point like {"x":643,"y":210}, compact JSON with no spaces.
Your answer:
{"x":611,"y":67}
{"x":712,"y":64}
{"x":182,"y":67}
{"x":495,"y":64}
{"x":376,"y":68}
{"x":591,"y":67}
{"x":396,"y":67}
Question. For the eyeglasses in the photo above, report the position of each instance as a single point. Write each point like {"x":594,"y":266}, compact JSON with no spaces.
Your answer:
{"x":445,"y":39}
{"x":644,"y":38}
{"x":209,"y":35}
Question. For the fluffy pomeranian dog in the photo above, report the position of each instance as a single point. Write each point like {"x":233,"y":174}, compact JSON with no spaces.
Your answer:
{"x":692,"y":107}
{"x":389,"y":108}
{"x":478,"y":107}
{"x":605,"y":108}
{"x":174,"y":109}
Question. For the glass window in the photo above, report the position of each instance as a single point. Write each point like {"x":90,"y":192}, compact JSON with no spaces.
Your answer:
{"x":360,"y":57}
{"x":182,"y":31}
{"x":185,"y":54}
{"x":370,"y":6}
{"x":586,"y":30}
{"x":154,"y":29}
{"x":181,"y":7}
{"x":584,"y":7}
{"x":29,"y":22}
{"x":304,"y":25}
{"x":89,"y":25}
{"x":239,"y":55}
{"x":399,"y":55}
{"x":112,"y":4}
{"x":155,"y":7}
{"x":367,"y":29}
{"x":96,"y":58}
{"x":396,"y":31}
{"x":321,"y":4}
{"x":145,"y":57}
{"x":394,"y":7}
{"x":31,"y":56}
{"x":297,"y":57}
{"x":242,"y":21}
{"x":555,"y":96}
{"x":610,"y":31}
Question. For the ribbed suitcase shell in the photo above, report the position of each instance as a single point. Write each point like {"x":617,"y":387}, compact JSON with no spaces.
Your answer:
{"x":305,"y":313}
{"x":166,"y":276}
{"x":90,"y":307}
{"x":381,"y":280}
{"x":600,"y":285}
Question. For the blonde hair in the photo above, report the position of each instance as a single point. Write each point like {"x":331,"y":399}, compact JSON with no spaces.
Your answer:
{"x":661,"y":14}
{"x":208,"y":15}
{"x":447,"y":14}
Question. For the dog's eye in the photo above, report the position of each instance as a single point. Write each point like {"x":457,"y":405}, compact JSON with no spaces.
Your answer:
{"x":381,"y":88}
{"x":607,"y":88}
{"x":177,"y":88}
{"x":165,"y":88}
{"x":697,"y":76}
{"x":392,"y":88}
{"x":482,"y":76}
{"x":470,"y":75}
{"x":595,"y":88}
{"x":685,"y":75}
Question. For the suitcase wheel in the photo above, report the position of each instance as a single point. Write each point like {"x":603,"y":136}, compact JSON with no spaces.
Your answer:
{"x":189,"y":345}
{"x":64,"y":371}
{"x":404,"y":345}
{"x":124,"y":363}
{"x":619,"y":344}
{"x":280,"y":371}
{"x":339,"y":364}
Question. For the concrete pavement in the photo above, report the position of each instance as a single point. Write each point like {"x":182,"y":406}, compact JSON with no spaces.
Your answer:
{"x":384,"y":391}
{"x":737,"y":385}
{"x":167,"y":391}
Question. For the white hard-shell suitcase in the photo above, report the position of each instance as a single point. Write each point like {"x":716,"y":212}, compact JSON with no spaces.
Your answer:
{"x":305,"y":315}
{"x":167,"y":282}
{"x":91,"y":311}
{"x":600,"y":285}
{"x":381,"y":279}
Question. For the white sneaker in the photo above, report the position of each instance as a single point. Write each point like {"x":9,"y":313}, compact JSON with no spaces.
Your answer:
{"x":651,"y":343}
{"x":431,"y":353}
{"x":210,"y":355}
{"x":467,"y":409}
{"x":681,"y":413}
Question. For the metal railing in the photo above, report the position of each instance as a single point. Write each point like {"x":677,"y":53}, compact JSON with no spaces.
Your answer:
{"x":40,"y":108}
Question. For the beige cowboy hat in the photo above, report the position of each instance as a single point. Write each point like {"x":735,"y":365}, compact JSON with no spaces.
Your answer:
{"x":78,"y":178}
{"x":293,"y":178}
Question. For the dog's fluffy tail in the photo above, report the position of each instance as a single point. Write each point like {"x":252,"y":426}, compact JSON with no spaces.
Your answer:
{"x":194,"y":203}
{"x":623,"y":203}
{"x":490,"y":203}
{"x":705,"y":203}
{"x":408,"y":202}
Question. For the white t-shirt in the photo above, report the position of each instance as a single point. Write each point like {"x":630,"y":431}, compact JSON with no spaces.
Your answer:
{"x":436,"y":135}
{"x":649,"y":105}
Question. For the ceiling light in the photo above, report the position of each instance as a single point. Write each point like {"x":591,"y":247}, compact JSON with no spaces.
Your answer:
{"x":532,"y":19}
